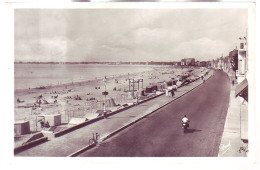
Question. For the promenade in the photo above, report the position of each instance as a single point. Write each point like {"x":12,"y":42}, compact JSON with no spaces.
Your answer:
{"x":76,"y":140}
{"x":236,"y":129}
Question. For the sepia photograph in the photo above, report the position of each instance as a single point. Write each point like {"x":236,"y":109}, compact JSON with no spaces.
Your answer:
{"x":121,"y":82}
{"x":131,"y":82}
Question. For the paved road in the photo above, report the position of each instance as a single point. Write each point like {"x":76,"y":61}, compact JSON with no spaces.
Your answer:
{"x":160,"y":134}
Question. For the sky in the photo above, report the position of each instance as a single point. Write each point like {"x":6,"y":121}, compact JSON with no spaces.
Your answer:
{"x":165,"y":34}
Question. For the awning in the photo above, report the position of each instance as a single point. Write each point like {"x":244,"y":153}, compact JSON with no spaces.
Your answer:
{"x":242,"y":89}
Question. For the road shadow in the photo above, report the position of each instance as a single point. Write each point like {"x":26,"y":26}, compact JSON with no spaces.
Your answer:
{"x":192,"y":130}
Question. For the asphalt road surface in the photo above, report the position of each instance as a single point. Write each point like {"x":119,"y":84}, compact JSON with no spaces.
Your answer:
{"x":161,"y":135}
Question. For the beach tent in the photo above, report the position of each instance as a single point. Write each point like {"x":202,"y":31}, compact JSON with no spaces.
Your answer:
{"x":131,"y":96}
{"x":164,"y":85}
{"x":21,"y":127}
{"x":169,"y":83}
{"x":110,"y":102}
{"x":142,"y":93}
{"x":161,"y":86}
{"x":53,"y":119}
{"x":151,"y":88}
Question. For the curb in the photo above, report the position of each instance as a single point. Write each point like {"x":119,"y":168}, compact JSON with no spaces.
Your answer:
{"x":131,"y":123}
{"x":82,"y":150}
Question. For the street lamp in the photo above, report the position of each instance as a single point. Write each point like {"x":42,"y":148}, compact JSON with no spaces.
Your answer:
{"x":105,"y":93}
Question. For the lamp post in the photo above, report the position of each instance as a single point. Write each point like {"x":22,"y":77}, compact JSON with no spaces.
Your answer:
{"x":105,"y":93}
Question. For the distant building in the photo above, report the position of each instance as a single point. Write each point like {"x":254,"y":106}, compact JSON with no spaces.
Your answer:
{"x":238,"y":59}
{"x":203,"y":64}
{"x":188,"y":62}
{"x":177,"y":63}
{"x":197,"y":63}
{"x":183,"y":62}
{"x":242,"y":61}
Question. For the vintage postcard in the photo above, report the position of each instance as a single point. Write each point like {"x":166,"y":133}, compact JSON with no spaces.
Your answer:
{"x":153,"y":79}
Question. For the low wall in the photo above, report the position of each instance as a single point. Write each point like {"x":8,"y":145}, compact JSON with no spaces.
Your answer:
{"x":30,"y":144}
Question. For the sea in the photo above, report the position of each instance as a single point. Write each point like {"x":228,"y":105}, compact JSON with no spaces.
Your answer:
{"x":39,"y":75}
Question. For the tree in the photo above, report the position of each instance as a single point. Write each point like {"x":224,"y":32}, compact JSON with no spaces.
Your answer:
{"x":234,"y":59}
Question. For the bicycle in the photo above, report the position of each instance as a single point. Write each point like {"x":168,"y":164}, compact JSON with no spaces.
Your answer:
{"x":243,"y":149}
{"x":224,"y":148}
{"x":94,"y":139}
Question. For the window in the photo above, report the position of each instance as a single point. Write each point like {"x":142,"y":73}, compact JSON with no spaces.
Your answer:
{"x":241,"y":45}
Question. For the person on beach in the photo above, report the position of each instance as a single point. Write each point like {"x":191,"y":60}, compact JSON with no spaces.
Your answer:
{"x":42,"y":123}
{"x":19,"y":101}
{"x":39,"y":102}
{"x":47,"y":125}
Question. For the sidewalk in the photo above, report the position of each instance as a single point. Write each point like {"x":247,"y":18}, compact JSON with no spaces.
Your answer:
{"x":235,"y":129}
{"x":78,"y":139}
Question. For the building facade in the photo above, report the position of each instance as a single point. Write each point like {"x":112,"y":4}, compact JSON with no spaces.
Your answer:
{"x":188,"y":62}
{"x":241,"y":72}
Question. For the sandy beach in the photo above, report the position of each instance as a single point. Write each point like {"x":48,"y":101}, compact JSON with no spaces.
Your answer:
{"x":83,"y":99}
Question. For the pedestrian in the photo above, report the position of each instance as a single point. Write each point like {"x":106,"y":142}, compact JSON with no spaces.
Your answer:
{"x":34,"y":105}
{"x":172,"y":92}
{"x":39,"y":102}
{"x":233,"y":82}
{"x":174,"y":87}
